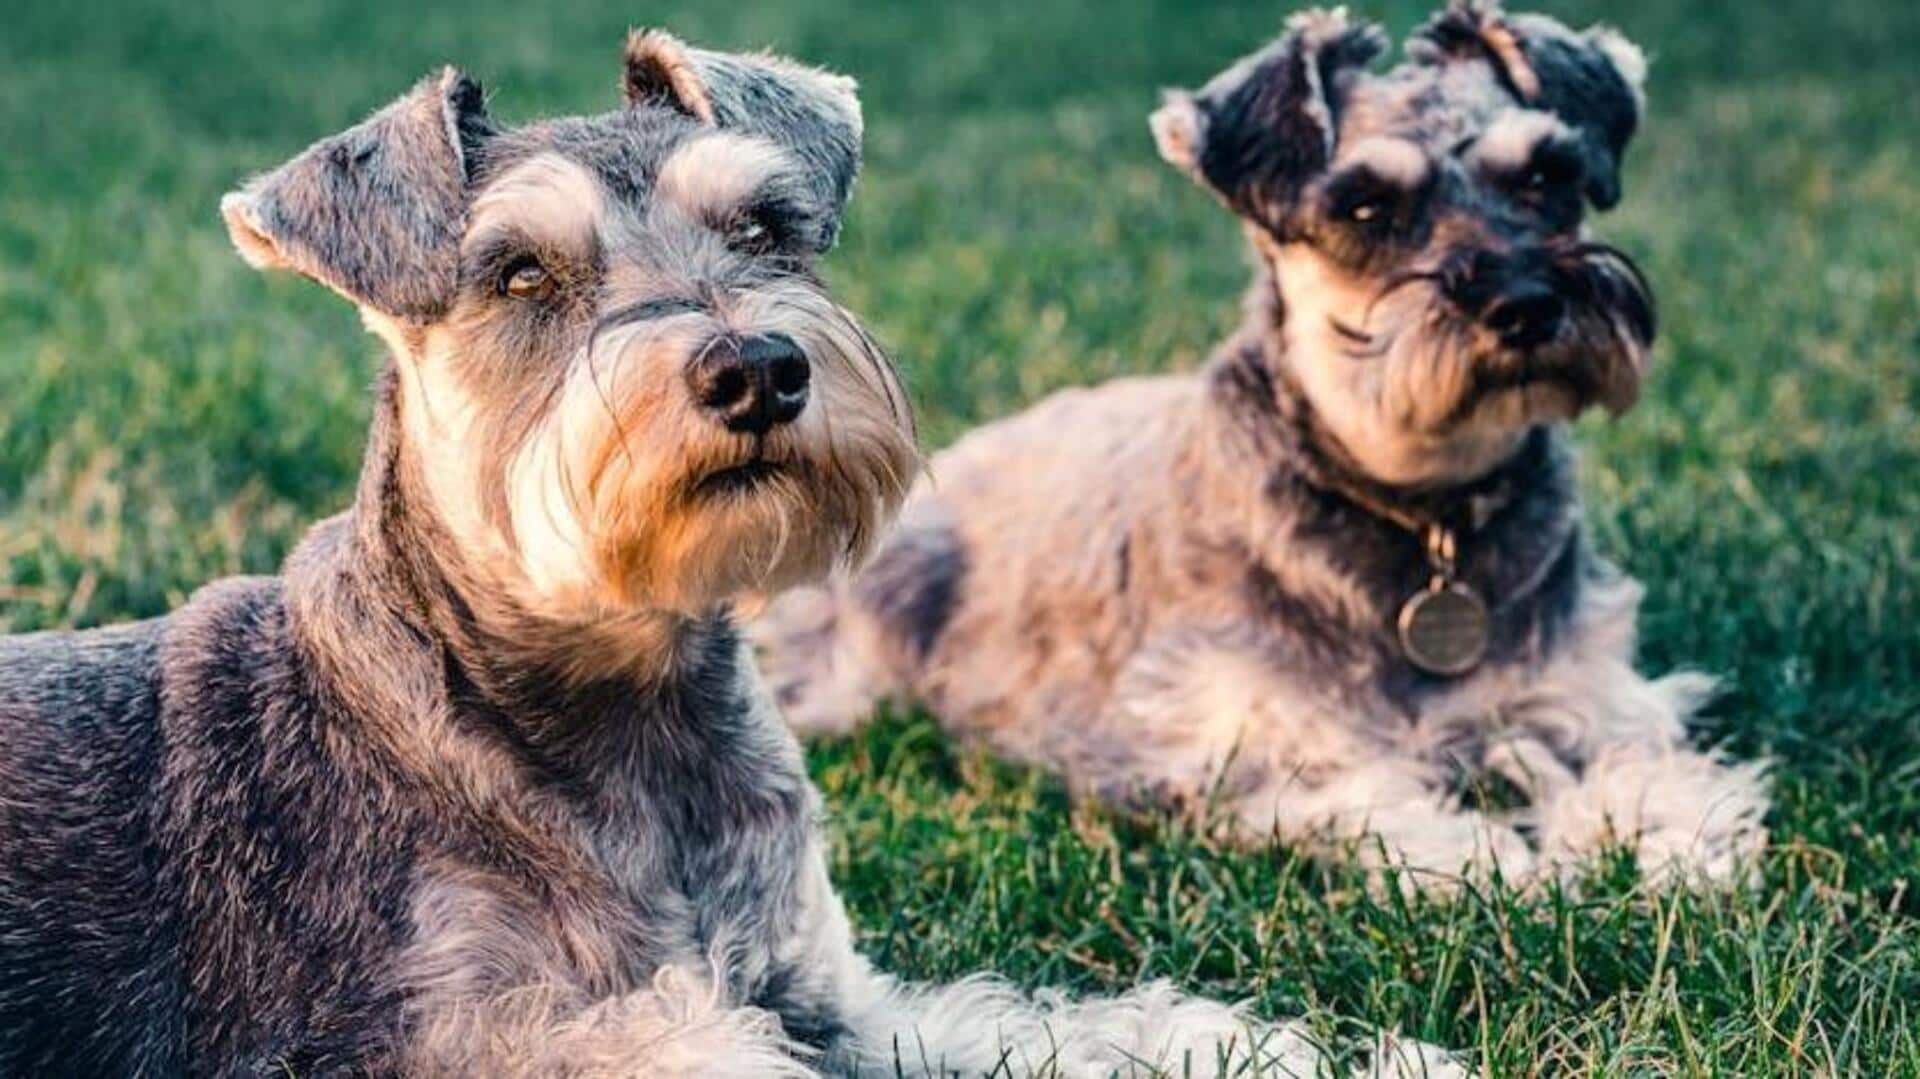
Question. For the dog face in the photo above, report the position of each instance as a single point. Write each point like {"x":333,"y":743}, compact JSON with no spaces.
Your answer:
{"x":1426,"y":226}
{"x":625,"y":386}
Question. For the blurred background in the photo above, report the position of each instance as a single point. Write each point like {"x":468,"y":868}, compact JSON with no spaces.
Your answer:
{"x":168,"y":416}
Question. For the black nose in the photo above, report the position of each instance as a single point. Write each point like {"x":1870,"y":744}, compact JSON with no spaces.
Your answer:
{"x":1526,"y":313}
{"x":752,"y":384}
{"x":1511,"y":294}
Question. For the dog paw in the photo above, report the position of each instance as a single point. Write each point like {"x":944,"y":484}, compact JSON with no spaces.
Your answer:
{"x":1433,"y":850}
{"x":1394,"y":1057}
{"x":1687,"y":816}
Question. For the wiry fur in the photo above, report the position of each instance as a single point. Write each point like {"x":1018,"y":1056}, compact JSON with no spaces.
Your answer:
{"x":486,"y":783}
{"x":1181,"y":589}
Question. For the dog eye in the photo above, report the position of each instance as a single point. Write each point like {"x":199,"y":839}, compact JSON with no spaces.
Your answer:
{"x":1553,"y":167}
{"x":525,"y":279}
{"x":1371,"y":210}
{"x":1363,"y":200}
{"x":1540,"y":180}
{"x":749,"y":235}
{"x":753,"y":233}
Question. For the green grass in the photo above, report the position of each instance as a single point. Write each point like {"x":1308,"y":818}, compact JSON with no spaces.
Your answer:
{"x":171,"y":417}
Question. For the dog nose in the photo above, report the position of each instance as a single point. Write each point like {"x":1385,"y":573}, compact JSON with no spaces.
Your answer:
{"x":1511,"y":294}
{"x":752,"y":384}
{"x":1527,"y":313}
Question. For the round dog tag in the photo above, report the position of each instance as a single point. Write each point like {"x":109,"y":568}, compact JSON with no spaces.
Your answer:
{"x":1444,"y":630}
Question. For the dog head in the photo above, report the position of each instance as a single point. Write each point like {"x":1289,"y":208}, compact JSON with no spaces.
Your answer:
{"x":1426,"y":226}
{"x":623,"y":382}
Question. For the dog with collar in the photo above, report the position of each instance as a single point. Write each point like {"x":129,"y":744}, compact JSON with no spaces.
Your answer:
{"x":1335,"y":585}
{"x":486,"y":782}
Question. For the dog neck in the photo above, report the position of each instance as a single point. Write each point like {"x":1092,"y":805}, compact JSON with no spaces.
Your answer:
{"x":1255,"y":373}
{"x":383,"y":599}
{"x":1310,"y":510}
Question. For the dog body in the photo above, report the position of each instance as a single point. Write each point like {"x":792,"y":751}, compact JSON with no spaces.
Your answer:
{"x":1194,"y":588}
{"x":486,"y":783}
{"x":219,"y":860}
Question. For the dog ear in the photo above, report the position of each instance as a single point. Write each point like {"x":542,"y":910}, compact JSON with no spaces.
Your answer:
{"x":813,"y":114}
{"x":1593,"y":81}
{"x":1261,"y":129}
{"x":374,"y":212}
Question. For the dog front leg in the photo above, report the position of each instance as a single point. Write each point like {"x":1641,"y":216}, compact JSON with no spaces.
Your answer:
{"x":1686,"y":814}
{"x":983,"y":1026}
{"x":488,"y":993}
{"x":1602,"y":753}
{"x":1222,"y":719}
{"x":1396,"y":816}
{"x":680,"y":1027}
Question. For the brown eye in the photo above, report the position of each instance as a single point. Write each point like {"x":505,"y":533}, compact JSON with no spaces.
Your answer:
{"x":526,"y":279}
{"x":1364,"y":212}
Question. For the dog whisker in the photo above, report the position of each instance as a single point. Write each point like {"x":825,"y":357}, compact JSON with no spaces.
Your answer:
{"x":606,"y":402}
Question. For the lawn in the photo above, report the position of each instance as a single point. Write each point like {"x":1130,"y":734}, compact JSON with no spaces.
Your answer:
{"x":170,"y":417}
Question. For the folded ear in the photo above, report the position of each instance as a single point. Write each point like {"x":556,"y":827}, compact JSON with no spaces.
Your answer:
{"x":813,"y":114}
{"x":1592,"y":80}
{"x":1261,"y":129}
{"x":374,"y":212}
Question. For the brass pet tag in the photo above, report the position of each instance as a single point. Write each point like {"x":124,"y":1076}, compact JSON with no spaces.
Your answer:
{"x":1445,"y":628}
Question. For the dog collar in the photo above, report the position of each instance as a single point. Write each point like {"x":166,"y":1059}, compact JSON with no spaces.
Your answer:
{"x":1443,"y":629}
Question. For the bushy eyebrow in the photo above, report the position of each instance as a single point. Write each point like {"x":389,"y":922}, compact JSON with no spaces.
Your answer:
{"x":713,"y":177}
{"x":1558,"y":148}
{"x":497,"y":243}
{"x":546,"y":200}
{"x":1392,"y":161}
{"x":1512,"y":141}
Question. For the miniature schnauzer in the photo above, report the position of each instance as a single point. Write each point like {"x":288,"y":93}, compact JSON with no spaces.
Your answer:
{"x":1336,"y":584}
{"x":486,"y":783}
